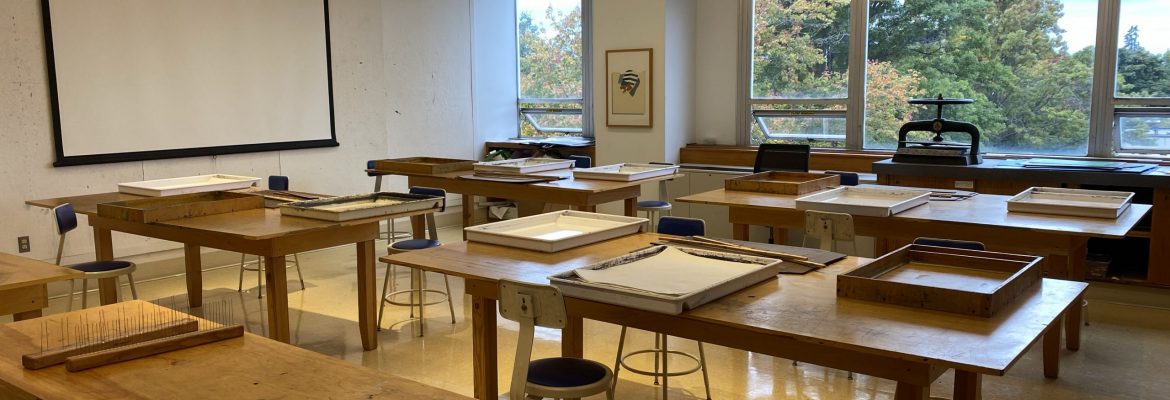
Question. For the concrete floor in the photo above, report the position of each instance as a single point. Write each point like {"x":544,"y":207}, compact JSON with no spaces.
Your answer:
{"x":1124,"y":354}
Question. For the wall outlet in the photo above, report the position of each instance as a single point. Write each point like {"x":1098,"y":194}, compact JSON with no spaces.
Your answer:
{"x":968,"y":185}
{"x":22,"y":243}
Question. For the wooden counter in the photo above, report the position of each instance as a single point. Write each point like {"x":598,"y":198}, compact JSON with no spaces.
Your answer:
{"x":23,"y":292}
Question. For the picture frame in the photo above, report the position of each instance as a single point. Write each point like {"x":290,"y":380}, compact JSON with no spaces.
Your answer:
{"x":629,"y":88}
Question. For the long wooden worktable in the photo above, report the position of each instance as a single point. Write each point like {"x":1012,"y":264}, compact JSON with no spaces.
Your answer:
{"x":245,"y":367}
{"x":262,"y":232}
{"x":1062,"y":240}
{"x":23,"y":292}
{"x":582,"y":194}
{"x":793,"y":317}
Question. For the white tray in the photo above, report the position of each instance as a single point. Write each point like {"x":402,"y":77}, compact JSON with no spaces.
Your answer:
{"x":743,"y":271}
{"x":555,"y":231}
{"x":868,"y":201}
{"x":524,"y":165}
{"x":187,"y":184}
{"x":360,"y":206}
{"x":625,"y":172}
{"x":1076,"y":202}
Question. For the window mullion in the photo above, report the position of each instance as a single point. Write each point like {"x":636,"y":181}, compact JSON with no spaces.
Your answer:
{"x":858,"y":46}
{"x":1101,"y":130}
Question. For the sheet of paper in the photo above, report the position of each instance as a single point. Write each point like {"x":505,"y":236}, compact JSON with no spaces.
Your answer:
{"x":670,"y":272}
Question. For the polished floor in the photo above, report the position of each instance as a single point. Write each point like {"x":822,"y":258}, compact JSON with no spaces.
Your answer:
{"x":1125,"y":353}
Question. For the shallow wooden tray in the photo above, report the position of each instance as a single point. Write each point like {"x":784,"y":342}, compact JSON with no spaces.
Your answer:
{"x":524,"y":165}
{"x":423,"y":165}
{"x":573,"y":285}
{"x":626,"y":172}
{"x":360,"y":206}
{"x":780,"y":182}
{"x":970,"y":282}
{"x":555,"y":231}
{"x":187,"y":184}
{"x":1075,"y":202}
{"x":868,"y":201}
{"x":166,"y":208}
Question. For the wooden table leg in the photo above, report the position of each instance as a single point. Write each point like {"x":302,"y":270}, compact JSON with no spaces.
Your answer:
{"x":483,"y":344}
{"x":418,"y":224}
{"x":194,"y":263}
{"x":276,"y":288}
{"x":1078,"y":250}
{"x":1072,"y":323}
{"x":779,"y":235}
{"x":468,"y":212}
{"x":1159,"y":265}
{"x":573,"y":337}
{"x":1052,"y":350}
{"x":103,"y":243}
{"x":739,"y":231}
{"x":586,"y":208}
{"x":23,"y":315}
{"x":631,"y":206}
{"x":968,"y":385}
{"x":906,"y":391}
{"x":367,"y":305}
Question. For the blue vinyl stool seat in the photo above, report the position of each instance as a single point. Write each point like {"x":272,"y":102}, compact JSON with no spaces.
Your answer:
{"x":565,"y":372}
{"x":654,"y":204}
{"x":415,"y":244}
{"x":678,"y":226}
{"x":66,"y":220}
{"x":416,"y":294}
{"x":101,"y":266}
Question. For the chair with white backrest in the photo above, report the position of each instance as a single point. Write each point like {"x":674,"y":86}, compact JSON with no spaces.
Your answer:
{"x":418,"y":280}
{"x":275,"y":182}
{"x":655,"y":208}
{"x":66,"y":220}
{"x":829,"y":228}
{"x":535,"y":305}
{"x":677,"y":226}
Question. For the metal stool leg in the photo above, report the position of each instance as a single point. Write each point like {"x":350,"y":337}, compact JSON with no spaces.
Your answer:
{"x":382,"y":300}
{"x":133,"y":289}
{"x":240,"y":288}
{"x":665,"y":375}
{"x":617,"y":365}
{"x":84,"y":291}
{"x":422,"y":295}
{"x":703,"y":365}
{"x":69,"y":303}
{"x":450,"y":305}
{"x":259,"y":277}
{"x":297,"y":264}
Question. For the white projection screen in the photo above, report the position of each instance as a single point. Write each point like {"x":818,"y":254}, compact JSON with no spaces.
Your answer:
{"x":151,"y":79}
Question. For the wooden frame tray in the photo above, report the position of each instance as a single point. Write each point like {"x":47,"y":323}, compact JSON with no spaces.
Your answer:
{"x":752,"y":270}
{"x":555,"y":231}
{"x":524,"y":165}
{"x":782,"y":182}
{"x":970,"y":282}
{"x":360,"y":206}
{"x":626,"y":172}
{"x":1075,"y":202}
{"x":423,"y":165}
{"x":187,"y":184}
{"x":167,"y":208}
{"x":868,"y":201}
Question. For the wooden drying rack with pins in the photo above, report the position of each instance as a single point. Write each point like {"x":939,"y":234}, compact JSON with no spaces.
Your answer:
{"x":83,"y":342}
{"x":719,"y":245}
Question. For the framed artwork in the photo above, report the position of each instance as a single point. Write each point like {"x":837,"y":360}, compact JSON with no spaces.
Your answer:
{"x":629,"y":89}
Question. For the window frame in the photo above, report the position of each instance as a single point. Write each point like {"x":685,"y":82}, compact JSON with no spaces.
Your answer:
{"x":1106,"y":108}
{"x":528,"y":115}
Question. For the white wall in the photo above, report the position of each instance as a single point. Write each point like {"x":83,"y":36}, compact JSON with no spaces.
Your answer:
{"x":27,"y":135}
{"x":494,"y":80}
{"x":680,"y":77}
{"x":716,"y":62}
{"x":620,"y":24}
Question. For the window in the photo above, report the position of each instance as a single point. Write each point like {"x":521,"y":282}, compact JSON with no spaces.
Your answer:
{"x":1142,"y":88}
{"x":551,"y":62}
{"x":799,"y":72}
{"x":838,"y":73}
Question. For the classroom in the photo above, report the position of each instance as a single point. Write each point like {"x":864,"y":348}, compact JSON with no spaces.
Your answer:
{"x":595,"y":199}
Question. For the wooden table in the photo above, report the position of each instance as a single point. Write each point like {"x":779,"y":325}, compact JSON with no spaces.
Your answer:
{"x":793,"y":317}
{"x":262,"y":232}
{"x":583,"y":194}
{"x":1062,"y":240}
{"x":246,"y":367}
{"x":23,"y":289}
